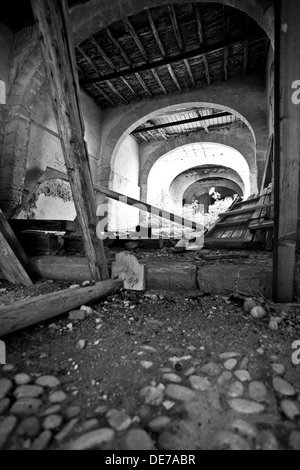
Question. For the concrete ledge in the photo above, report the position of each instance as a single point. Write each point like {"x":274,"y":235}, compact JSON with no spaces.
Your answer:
{"x":224,"y":278}
{"x":171,"y":276}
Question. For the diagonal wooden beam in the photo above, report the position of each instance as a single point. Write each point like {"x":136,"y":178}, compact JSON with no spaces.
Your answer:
{"x":155,"y":74}
{"x":203,"y":122}
{"x":52,"y":23}
{"x":201,"y":41}
{"x":95,"y":68}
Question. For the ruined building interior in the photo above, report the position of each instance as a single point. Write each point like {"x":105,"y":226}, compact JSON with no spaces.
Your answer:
{"x":149,"y":187}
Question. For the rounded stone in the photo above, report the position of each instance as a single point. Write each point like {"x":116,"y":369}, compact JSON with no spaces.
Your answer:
{"x":145,"y":412}
{"x":294,"y":440}
{"x":118,"y":419}
{"x":226,"y":440}
{"x":257,"y":391}
{"x":199,"y":383}
{"x":212,"y":369}
{"x":26,"y":406}
{"x":5,"y":387}
{"x":172,"y":378}
{"x":249,"y":304}
{"x":57,"y":397}
{"x":290,"y":409}
{"x":282,"y":387}
{"x":178,"y":392}
{"x":236,"y":390}
{"x":4,"y":405}
{"x":138,"y":439}
{"x":159,"y":423}
{"x":48,"y":381}
{"x":246,"y":406}
{"x":230,"y":364}
{"x":228,"y":355}
{"x":73,"y":411}
{"x":242,"y":375}
{"x":52,"y":410}
{"x":244,"y":428}
{"x":29,"y":427}
{"x":278,"y":368}
{"x":28,"y":391}
{"x":266,"y":441}
{"x":92,"y":439}
{"x":22,"y":379}
{"x":258,"y":312}
{"x":52,"y":422}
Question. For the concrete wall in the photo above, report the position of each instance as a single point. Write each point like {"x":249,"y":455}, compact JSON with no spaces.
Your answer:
{"x":125,"y":181}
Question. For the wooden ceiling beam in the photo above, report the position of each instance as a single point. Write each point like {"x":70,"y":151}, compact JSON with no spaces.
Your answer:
{"x":175,"y":27}
{"x":95,"y":68}
{"x":130,"y":29}
{"x":102,"y":92}
{"x":118,"y":46}
{"x":226,"y":34}
{"x":170,"y":60}
{"x":182,"y":121}
{"x":201,"y":41}
{"x":162,"y":49}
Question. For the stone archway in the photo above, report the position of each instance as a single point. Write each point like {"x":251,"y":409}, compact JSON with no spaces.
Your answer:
{"x":88,"y":18}
{"x":185,"y":181}
{"x":243,"y":98}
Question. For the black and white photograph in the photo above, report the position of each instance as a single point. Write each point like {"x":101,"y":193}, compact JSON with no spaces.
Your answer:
{"x":149,"y":228}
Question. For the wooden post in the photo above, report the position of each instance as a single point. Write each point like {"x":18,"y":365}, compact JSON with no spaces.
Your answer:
{"x":51,"y":18}
{"x":287,"y":146}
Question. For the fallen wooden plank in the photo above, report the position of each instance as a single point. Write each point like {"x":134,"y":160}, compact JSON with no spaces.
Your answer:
{"x":27,"y":312}
{"x":229,"y":256}
{"x":18,"y":225}
{"x":228,"y":242}
{"x":10,"y":265}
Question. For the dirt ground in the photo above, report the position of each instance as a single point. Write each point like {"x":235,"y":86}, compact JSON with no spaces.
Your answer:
{"x":158,"y":340}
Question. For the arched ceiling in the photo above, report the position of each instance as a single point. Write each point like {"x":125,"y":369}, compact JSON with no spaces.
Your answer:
{"x":169,"y":49}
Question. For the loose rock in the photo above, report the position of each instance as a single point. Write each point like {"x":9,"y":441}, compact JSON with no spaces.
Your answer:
{"x":52,"y":422}
{"x":52,"y":410}
{"x":4,"y":405}
{"x":246,"y":406}
{"x":294,"y":440}
{"x":22,"y":379}
{"x":236,"y":390}
{"x":178,"y":392}
{"x":249,"y":304}
{"x":29,"y":427}
{"x":266,"y":441}
{"x":73,"y":411}
{"x":26,"y":406}
{"x":290,"y":409}
{"x":28,"y":391}
{"x":138,"y":439}
{"x":199,"y":383}
{"x":159,"y":423}
{"x":78,"y":315}
{"x":57,"y":397}
{"x":278,"y":368}
{"x":172,"y":378}
{"x":283,"y":387}
{"x":244,"y":428}
{"x":153,"y":395}
{"x":63,"y":434}
{"x":211,"y":369}
{"x":228,"y":355}
{"x":242,"y":375}
{"x":119,"y":420}
{"x":42,"y":441}
{"x":93,"y":439}
{"x":257,"y":391}
{"x":258,"y":312}
{"x":7,"y":427}
{"x":230,"y":364}
{"x":5,"y":387}
{"x":48,"y":381}
{"x":228,"y":440}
